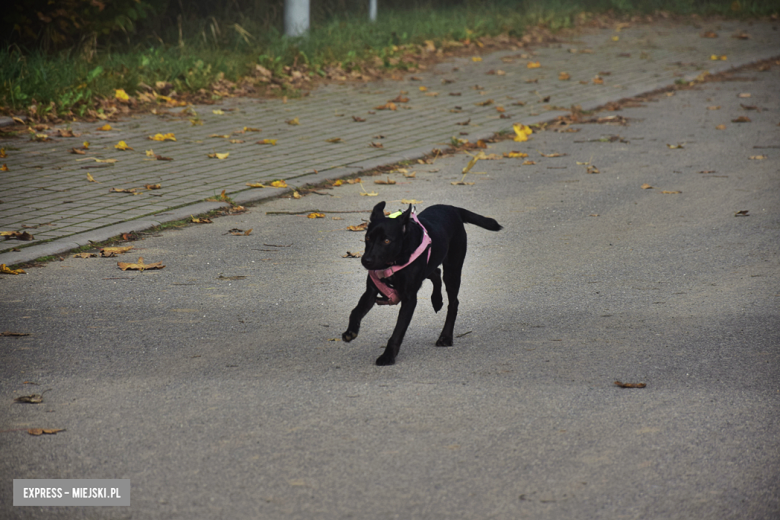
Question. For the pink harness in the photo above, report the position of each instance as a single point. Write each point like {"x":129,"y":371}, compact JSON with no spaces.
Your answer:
{"x":376,"y":275}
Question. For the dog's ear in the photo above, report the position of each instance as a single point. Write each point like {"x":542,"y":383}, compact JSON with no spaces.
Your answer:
{"x":404,"y":218}
{"x":379,"y":212}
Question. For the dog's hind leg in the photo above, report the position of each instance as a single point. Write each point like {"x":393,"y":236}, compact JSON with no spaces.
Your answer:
{"x":453,"y":265}
{"x":436,"y":298}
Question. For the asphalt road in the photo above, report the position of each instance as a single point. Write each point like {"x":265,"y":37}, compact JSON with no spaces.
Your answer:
{"x":225,"y":397}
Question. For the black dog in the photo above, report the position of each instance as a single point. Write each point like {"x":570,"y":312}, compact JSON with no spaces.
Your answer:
{"x":391,"y":243}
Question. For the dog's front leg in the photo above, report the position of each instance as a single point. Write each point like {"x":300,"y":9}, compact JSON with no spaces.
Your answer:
{"x":408,"y":304}
{"x":364,"y":305}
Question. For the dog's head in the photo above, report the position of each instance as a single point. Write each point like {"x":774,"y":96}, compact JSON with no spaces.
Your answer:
{"x":386,"y":243}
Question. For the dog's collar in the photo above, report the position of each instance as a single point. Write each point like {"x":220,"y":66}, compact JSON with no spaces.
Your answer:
{"x":377,"y":274}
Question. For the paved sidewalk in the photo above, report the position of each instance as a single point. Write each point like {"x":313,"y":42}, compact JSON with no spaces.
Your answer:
{"x":46,"y":192}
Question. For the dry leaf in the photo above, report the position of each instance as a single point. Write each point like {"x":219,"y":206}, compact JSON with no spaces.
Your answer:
{"x":757,"y":157}
{"x":387,"y":181}
{"x":597,"y":80}
{"x":267,"y":141}
{"x":358,"y":119}
{"x":108,"y":252}
{"x":32,"y":399}
{"x":90,"y":178}
{"x":521,"y":132}
{"x":387,"y":106}
{"x":236,"y":141}
{"x":630,"y":385}
{"x":741,"y":119}
{"x":121,"y":145}
{"x":484,"y":103}
{"x":218,"y":112}
{"x":139,"y":266}
{"x":675,"y":146}
{"x":48,"y":431}
{"x":200,"y":220}
{"x":85,"y":255}
{"x":713,"y":107}
{"x":315,"y":215}
{"x":720,"y":127}
{"x":133,"y":191}
{"x":646,"y":187}
{"x":515,"y":155}
{"x":592,"y":169}
{"x":376,"y":145}
{"x":293,"y":121}
{"x":105,"y":128}
{"x":162,"y":137}
{"x":219,"y":156}
{"x":350,"y":255}
{"x":8,"y":270}
{"x":400,"y":99}
{"x":533,"y":65}
{"x":476,"y":59}
{"x":709,"y":34}
{"x":359,"y":227}
{"x":742,"y":213}
{"x":564,"y":76}
{"x":411,"y":201}
{"x":255,"y":184}
{"x":333,"y":140}
{"x":153,"y":186}
{"x":552,"y":154}
{"x":670,"y":192}
{"x":744,"y":95}
{"x":296,"y":195}
{"x":279,"y":184}
{"x":17,"y":235}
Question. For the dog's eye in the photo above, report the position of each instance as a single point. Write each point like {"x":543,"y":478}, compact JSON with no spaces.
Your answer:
{"x":387,"y":241}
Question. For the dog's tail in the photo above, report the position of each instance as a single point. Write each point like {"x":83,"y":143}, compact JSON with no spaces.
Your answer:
{"x":478,"y":220}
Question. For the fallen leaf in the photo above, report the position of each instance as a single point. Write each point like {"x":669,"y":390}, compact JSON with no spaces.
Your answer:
{"x":387,"y":181}
{"x":476,"y":59}
{"x":552,"y":154}
{"x":709,"y":34}
{"x":90,"y":178}
{"x":597,"y":80}
{"x":218,"y":112}
{"x":139,"y":266}
{"x":720,"y":127}
{"x":17,"y":235}
{"x":670,"y":192}
{"x":359,"y":227}
{"x":333,"y":140}
{"x":630,"y":385}
{"x":85,"y":255}
{"x":358,"y":119}
{"x":741,"y":119}
{"x":533,"y":65}
{"x":315,"y":215}
{"x":108,"y":252}
{"x":219,"y":136}
{"x":713,"y":107}
{"x":592,"y":169}
{"x":121,"y":145}
{"x":153,"y":186}
{"x":296,"y":195}
{"x":564,"y":76}
{"x":48,"y":431}
{"x":219,"y":156}
{"x":8,"y":270}
{"x":294,"y":121}
{"x":470,"y":165}
{"x":521,"y":132}
{"x":66,"y":132}
{"x":3,"y":155}
{"x":646,"y":187}
{"x":105,"y":128}
{"x":387,"y":106}
{"x":675,"y":146}
{"x":133,"y":191}
{"x":200,"y":220}
{"x":411,"y":201}
{"x":376,"y":145}
{"x":255,"y":184}
{"x":515,"y":155}
{"x":279,"y":184}
{"x":715,"y":57}
{"x":349,"y":255}
{"x":484,"y":103}
{"x":267,"y":141}
{"x":236,"y":141}
{"x":121,"y":95}
{"x":529,"y":163}
{"x":366,"y":193}
{"x":744,"y":95}
{"x":757,"y":157}
{"x":32,"y":399}
{"x":410,"y":175}
{"x":400,"y":98}
{"x":742,"y":213}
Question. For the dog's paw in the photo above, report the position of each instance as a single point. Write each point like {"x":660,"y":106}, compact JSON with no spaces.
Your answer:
{"x":444,"y":342}
{"x":385,"y":360}
{"x":349,"y":336}
{"x":437,"y":302}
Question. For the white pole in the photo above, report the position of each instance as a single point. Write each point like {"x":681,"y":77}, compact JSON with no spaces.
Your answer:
{"x":296,"y":17}
{"x":372,"y":10}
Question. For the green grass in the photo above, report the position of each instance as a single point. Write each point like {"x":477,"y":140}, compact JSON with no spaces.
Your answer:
{"x":194,"y":56}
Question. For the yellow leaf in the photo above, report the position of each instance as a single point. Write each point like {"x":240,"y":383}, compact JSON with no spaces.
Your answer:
{"x":423,"y":89}
{"x":250,"y":129}
{"x":3,"y":155}
{"x":219,"y":156}
{"x":279,"y":184}
{"x":7,"y":270}
{"x":150,"y":153}
{"x":293,"y":121}
{"x":296,"y":195}
{"x":615,"y":38}
{"x":121,"y":145}
{"x":515,"y":155}
{"x":476,"y":59}
{"x":521,"y":132}
{"x":85,"y":144}
{"x":720,"y":127}
{"x":121,"y":95}
{"x":4,"y":168}
{"x":162,"y":137}
{"x":533,"y":65}
{"x":255,"y":184}
{"x":470,"y":164}
{"x":217,"y":112}
{"x":139,"y":266}
{"x":564,"y":76}
{"x":646,"y":187}
{"x":91,"y":179}
{"x":333,"y":140}
{"x":105,"y":128}
{"x":113,"y":251}
{"x":315,"y":215}
{"x":338,"y":183}
{"x":267,"y":141}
